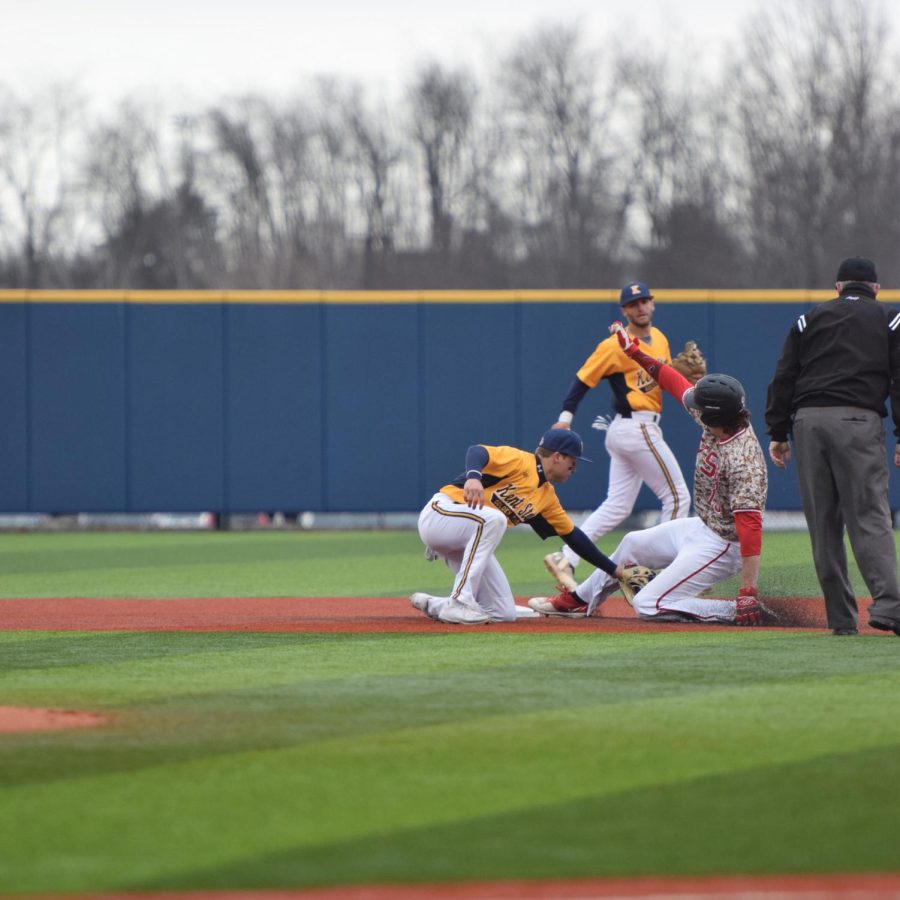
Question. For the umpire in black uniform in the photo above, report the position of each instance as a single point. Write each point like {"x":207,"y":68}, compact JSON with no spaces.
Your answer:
{"x":838,"y":366}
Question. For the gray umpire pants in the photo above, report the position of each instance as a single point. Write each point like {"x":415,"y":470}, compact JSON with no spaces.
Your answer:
{"x":843,"y":471}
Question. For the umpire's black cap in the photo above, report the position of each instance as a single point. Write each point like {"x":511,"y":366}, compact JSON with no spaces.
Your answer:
{"x":857,"y":268}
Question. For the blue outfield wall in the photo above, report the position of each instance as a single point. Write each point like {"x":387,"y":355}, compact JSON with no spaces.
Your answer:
{"x":329,"y":402}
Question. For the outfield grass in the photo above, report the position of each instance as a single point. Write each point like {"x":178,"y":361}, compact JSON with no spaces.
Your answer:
{"x":279,"y":760}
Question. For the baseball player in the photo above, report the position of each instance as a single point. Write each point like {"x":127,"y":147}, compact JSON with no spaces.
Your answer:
{"x":634,"y":440}
{"x":464,"y":522}
{"x":724,"y":538}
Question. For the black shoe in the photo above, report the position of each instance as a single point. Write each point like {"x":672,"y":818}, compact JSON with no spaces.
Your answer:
{"x":839,"y":632}
{"x":885,"y":625}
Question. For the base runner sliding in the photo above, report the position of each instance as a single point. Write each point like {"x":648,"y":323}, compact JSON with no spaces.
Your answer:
{"x":696,"y":553}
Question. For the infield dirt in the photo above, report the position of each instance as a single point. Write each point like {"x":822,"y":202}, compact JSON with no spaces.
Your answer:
{"x":347,"y":614}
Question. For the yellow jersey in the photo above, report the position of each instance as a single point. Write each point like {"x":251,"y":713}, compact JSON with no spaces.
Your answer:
{"x":514,"y":483}
{"x":632,"y":387}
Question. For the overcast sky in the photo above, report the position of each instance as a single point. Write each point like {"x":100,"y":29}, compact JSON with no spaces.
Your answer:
{"x":202,"y":49}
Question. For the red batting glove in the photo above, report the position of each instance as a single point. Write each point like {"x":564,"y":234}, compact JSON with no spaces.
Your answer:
{"x":627,"y":342}
{"x":748,"y":610}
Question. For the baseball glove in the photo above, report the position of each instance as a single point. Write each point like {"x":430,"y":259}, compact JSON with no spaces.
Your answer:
{"x":633,"y":579}
{"x":690,"y":362}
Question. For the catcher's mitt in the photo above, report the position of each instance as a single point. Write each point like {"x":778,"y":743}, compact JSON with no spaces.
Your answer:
{"x":633,"y":579}
{"x":690,"y":362}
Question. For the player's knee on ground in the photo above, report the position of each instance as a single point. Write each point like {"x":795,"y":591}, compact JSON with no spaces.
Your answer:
{"x":646,"y":601}
{"x":502,"y":614}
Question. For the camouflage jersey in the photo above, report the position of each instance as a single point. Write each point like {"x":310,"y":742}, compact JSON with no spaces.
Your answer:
{"x":729,"y":476}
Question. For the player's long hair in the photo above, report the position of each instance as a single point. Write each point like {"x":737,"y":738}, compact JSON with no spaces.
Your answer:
{"x":742,"y":421}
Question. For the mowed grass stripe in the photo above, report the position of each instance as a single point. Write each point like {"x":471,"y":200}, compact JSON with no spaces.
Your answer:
{"x":116,"y":669}
{"x":193,"y":815}
{"x":791,"y":818}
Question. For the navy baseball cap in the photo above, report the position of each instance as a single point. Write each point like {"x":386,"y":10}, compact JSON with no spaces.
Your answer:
{"x":561,"y":440}
{"x":635,"y":290}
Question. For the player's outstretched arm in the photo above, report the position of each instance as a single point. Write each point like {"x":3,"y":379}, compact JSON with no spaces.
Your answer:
{"x":666,"y":377}
{"x":576,"y":394}
{"x":588,"y":551}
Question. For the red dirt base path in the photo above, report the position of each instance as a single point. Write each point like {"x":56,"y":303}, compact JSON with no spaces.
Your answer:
{"x":15,"y":719}
{"x":866,"y":886}
{"x":347,"y":614}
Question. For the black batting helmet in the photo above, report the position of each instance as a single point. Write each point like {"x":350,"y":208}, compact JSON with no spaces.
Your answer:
{"x":718,"y":398}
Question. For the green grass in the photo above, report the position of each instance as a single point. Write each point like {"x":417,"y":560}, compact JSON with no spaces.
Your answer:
{"x":301,"y":564}
{"x":250,"y":760}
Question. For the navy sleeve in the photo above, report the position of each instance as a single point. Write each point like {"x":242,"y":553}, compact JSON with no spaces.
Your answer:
{"x":575,"y":395}
{"x":476,"y":458}
{"x":588,"y":551}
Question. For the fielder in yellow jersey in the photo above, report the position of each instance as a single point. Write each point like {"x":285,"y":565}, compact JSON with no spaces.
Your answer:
{"x":464,"y":522}
{"x":632,"y":388}
{"x":512,"y":482}
{"x":638,"y":454}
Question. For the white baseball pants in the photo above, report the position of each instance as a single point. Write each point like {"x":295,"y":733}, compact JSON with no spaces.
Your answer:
{"x":638,"y":454}
{"x":466,"y":540}
{"x":693,"y":559}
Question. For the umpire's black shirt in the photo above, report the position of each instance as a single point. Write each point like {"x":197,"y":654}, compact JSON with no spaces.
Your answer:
{"x":844,"y":352}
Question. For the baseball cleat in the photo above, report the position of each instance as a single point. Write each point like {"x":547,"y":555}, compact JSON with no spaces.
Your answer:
{"x":558,"y":566}
{"x":456,"y":613}
{"x":419,"y":601}
{"x":564,"y":604}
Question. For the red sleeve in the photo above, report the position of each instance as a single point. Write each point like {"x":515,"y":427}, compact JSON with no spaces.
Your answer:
{"x":748,"y":524}
{"x":670,"y":380}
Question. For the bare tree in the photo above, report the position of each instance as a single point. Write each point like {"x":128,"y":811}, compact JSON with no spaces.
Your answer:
{"x":563,"y":153}
{"x":810,"y":103}
{"x":442,"y":105}
{"x":304,"y":188}
{"x":291,"y":139}
{"x":37,"y":176}
{"x":334,"y":215}
{"x":374,"y":155}
{"x":239,"y":130}
{"x":157,"y":230}
{"x":681,"y":180}
{"x":559,"y":170}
